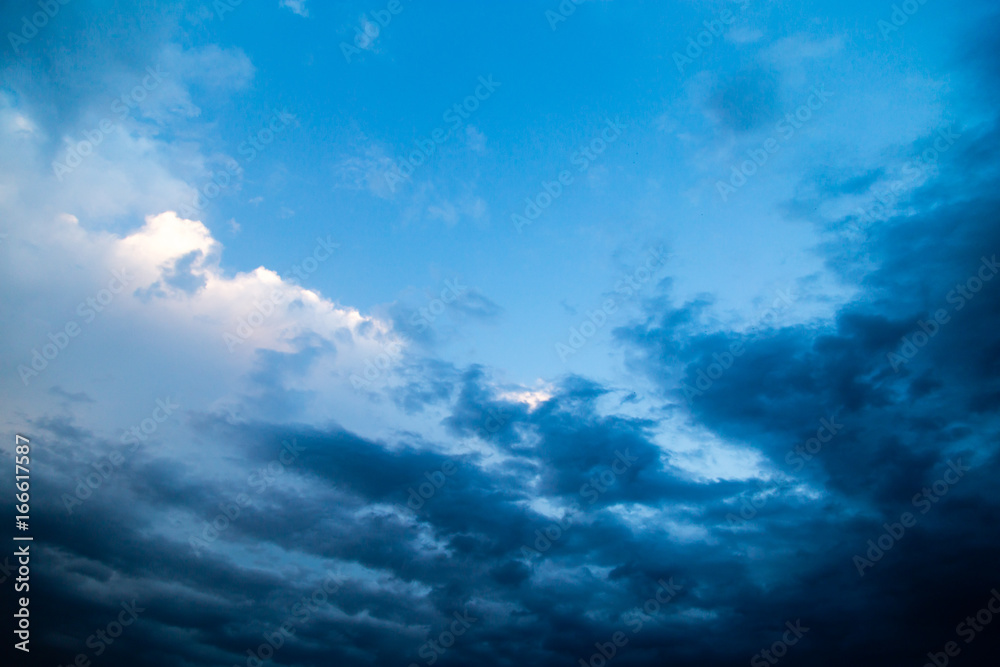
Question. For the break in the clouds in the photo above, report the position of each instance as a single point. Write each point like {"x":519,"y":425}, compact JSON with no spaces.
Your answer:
{"x":302,"y":387}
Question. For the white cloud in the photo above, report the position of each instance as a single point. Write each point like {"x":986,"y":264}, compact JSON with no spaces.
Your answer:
{"x":744,"y":35}
{"x":450,"y":212}
{"x":181,"y":324}
{"x":295,"y":6}
{"x":165,"y":333}
{"x":474,"y":139}
{"x":792,"y":49}
{"x":367,"y":171}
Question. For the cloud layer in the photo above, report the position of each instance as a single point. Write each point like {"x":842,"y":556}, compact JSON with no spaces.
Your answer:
{"x":254,"y":469}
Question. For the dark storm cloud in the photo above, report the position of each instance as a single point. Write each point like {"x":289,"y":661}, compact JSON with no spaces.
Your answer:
{"x":355,"y":511}
{"x":912,"y":393}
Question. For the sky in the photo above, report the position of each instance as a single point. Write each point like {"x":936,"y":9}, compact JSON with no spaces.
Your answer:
{"x":532,"y":333}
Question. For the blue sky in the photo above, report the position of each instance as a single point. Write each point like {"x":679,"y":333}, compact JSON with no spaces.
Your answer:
{"x":514,"y":240}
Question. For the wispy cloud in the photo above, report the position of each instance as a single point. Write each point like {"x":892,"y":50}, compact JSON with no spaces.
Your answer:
{"x":295,"y":6}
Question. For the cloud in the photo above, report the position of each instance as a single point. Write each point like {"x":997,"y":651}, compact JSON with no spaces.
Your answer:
{"x":475,"y":139}
{"x":450,"y":212}
{"x":297,"y":7}
{"x":775,"y":392}
{"x":367,"y":171}
{"x":789,"y":50}
{"x":550,"y":512}
{"x":744,"y":101}
{"x":491,"y":514}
